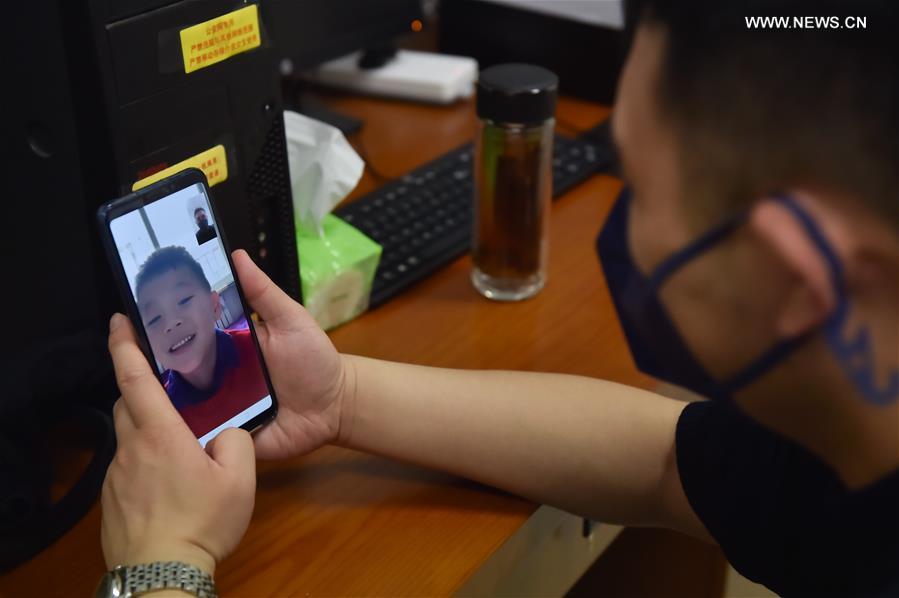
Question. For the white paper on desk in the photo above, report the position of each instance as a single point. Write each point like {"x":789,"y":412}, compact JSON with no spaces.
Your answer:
{"x":605,"y":13}
{"x":324,"y":168}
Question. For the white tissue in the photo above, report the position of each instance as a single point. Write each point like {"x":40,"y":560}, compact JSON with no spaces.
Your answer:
{"x":324,"y":168}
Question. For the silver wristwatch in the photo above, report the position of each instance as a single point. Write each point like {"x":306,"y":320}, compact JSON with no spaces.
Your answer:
{"x":137,"y":580}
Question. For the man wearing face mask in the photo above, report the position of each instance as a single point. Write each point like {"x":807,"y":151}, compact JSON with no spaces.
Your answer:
{"x":754,"y":260}
{"x":205,"y":231}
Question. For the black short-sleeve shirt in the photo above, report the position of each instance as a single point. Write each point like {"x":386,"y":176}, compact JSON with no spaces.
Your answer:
{"x":782,"y":516}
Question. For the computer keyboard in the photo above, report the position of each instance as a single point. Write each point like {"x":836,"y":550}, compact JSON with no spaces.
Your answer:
{"x":424,"y":219}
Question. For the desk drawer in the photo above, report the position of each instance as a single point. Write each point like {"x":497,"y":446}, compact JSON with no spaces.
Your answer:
{"x":545,"y":557}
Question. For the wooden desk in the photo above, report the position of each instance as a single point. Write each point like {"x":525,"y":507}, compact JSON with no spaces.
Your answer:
{"x":338,"y":523}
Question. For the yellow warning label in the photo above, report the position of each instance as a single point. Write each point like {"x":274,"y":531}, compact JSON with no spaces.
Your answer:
{"x":212,"y":162}
{"x":220,"y":38}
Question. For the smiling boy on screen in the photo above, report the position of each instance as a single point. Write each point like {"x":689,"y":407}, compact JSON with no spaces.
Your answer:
{"x":210,"y":374}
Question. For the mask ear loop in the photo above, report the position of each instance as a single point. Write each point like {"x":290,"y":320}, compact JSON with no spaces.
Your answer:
{"x":767,"y":360}
{"x":710,"y":238}
{"x":855,"y":355}
{"x":676,"y":261}
{"x":663,"y":271}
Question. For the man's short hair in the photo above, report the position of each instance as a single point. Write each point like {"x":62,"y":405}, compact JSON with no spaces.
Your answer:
{"x":199,"y":210}
{"x":758,"y":109}
{"x":169,"y":258}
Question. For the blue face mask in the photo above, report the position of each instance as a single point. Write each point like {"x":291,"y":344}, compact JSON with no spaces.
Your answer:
{"x":657,"y":346}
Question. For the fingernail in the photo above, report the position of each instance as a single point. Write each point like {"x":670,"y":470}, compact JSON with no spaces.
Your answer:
{"x":115,"y":321}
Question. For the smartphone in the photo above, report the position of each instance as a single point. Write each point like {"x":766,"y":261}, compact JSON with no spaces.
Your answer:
{"x":168,"y":252}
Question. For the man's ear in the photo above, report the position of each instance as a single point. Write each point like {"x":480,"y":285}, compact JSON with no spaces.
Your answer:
{"x":812,"y":296}
{"x":216,"y":304}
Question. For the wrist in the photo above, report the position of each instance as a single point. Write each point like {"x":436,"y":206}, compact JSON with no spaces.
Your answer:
{"x":347,"y":396}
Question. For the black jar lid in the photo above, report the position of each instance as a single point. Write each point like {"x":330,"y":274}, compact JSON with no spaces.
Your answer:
{"x":517,"y":93}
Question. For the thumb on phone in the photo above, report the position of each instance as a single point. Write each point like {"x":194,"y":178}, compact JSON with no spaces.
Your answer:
{"x":273,"y":305}
{"x":233,"y":449}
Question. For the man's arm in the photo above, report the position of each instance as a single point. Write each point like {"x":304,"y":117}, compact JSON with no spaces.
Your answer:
{"x":591,"y":447}
{"x":588,"y":446}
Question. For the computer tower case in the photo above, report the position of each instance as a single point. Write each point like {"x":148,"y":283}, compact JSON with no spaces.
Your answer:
{"x":155,"y":115}
{"x":96,"y":97}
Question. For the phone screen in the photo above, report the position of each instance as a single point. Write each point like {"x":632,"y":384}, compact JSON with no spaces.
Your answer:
{"x":193,"y":317}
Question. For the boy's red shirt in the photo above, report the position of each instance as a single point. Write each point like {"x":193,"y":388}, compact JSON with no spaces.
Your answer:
{"x":237,"y":383}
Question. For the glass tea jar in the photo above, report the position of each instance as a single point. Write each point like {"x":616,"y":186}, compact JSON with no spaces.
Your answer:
{"x":516,"y":106}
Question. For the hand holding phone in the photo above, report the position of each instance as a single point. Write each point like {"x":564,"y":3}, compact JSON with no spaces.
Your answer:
{"x":307,"y":371}
{"x":164,"y":497}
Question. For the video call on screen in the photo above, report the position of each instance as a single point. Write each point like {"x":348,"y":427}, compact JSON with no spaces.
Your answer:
{"x":191,"y":311}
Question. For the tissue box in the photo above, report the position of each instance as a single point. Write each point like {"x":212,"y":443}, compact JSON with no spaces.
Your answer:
{"x":336,"y":271}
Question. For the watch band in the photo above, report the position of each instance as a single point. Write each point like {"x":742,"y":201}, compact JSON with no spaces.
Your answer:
{"x":164,"y":575}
